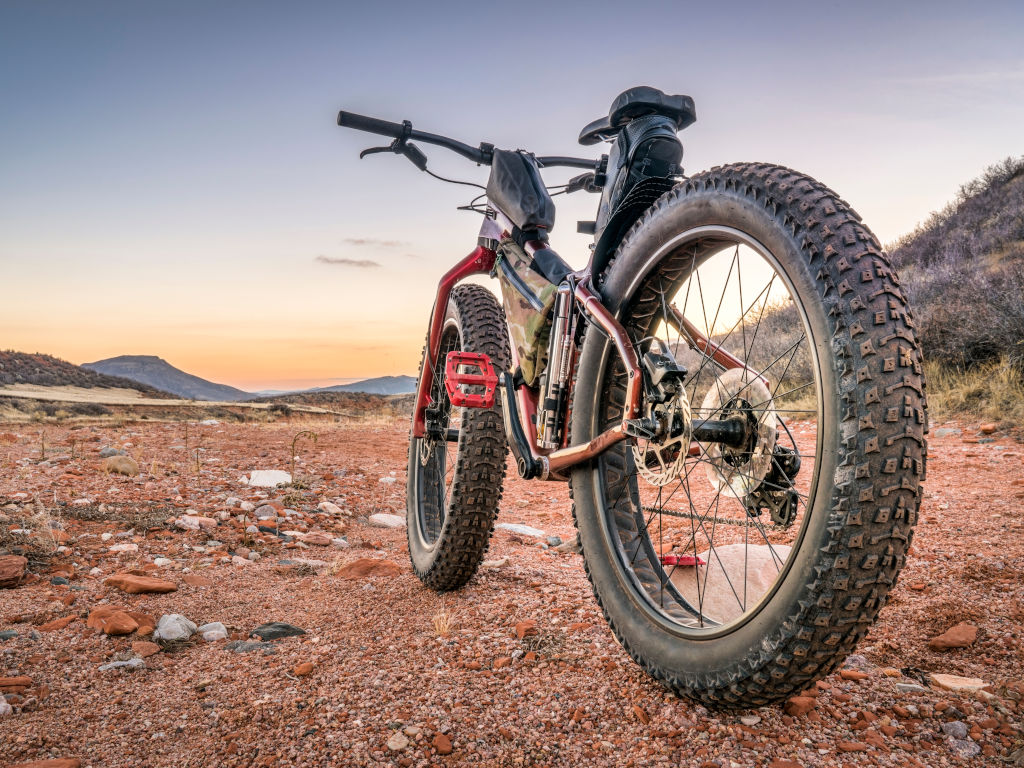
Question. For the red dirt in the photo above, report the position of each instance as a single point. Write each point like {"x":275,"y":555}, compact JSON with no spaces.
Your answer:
{"x":383,"y":656}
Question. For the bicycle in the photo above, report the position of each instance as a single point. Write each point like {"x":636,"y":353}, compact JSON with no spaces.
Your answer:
{"x":745,"y":463}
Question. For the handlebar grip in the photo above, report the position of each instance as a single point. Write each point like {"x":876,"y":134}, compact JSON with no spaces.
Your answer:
{"x":369,"y":124}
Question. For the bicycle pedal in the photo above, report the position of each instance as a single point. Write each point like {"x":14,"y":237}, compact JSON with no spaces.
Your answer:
{"x":481,"y":374}
{"x":681,"y":560}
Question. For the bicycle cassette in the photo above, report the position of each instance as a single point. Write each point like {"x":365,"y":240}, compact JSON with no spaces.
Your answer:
{"x":740,"y":393}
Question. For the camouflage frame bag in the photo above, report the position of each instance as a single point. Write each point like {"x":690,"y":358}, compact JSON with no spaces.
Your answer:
{"x":528,"y":298}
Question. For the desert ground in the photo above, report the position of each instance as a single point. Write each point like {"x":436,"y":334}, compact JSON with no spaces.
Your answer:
{"x":517,"y":669}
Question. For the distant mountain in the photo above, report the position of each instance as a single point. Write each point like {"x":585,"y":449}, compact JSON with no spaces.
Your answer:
{"x":156,"y":372}
{"x":383,"y":385}
{"x":47,"y":371}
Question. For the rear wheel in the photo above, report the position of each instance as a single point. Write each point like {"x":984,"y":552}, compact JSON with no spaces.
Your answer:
{"x":738,"y":573}
{"x":456,"y":471}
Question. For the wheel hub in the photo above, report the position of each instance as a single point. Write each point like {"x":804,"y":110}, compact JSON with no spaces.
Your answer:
{"x":740,"y":394}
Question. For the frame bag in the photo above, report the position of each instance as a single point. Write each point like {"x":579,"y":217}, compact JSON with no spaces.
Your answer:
{"x":528,"y":298}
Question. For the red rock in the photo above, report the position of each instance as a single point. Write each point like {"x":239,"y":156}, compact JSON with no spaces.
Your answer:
{"x":52,"y":626}
{"x":959,"y":636}
{"x":15,"y":684}
{"x":146,"y":622}
{"x":442,"y":744}
{"x":800,"y":705}
{"x":316,"y":539}
{"x":303,"y":669}
{"x":62,"y":762}
{"x":144,"y":649}
{"x":137,"y":585}
{"x":195,"y":580}
{"x":12,"y":570}
{"x":526,"y":628}
{"x":852,"y":674}
{"x":502,"y":661}
{"x":988,"y":429}
{"x":641,"y":714}
{"x":473,"y":665}
{"x":112,"y":620}
{"x":852,"y":746}
{"x":505,"y":732}
{"x":366,"y":567}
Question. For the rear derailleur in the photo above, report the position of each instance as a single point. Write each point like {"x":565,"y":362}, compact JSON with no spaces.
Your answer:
{"x":776,"y":493}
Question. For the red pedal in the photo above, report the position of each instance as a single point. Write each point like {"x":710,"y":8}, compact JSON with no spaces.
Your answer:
{"x":485,"y":377}
{"x":681,"y":560}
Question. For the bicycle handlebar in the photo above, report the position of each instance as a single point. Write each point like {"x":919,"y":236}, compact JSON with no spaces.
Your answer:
{"x":481,"y":155}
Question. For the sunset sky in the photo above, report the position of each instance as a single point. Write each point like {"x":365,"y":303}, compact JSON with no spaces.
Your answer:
{"x":172,"y":181}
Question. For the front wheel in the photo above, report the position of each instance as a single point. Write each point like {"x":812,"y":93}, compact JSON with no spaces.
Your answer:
{"x":456,"y":471}
{"x":738,"y":572}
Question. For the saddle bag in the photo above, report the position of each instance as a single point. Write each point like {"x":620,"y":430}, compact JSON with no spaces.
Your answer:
{"x":646,"y":147}
{"x":528,"y":298}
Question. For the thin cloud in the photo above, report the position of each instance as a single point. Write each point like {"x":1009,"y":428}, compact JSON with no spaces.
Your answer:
{"x":372,"y":242}
{"x":343,"y":262}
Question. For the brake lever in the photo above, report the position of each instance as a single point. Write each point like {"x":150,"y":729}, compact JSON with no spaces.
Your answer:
{"x":401,"y":146}
{"x":586,"y":181}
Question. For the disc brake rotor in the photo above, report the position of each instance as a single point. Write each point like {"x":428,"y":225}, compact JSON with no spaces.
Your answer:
{"x":659,"y":461}
{"x":740,"y":393}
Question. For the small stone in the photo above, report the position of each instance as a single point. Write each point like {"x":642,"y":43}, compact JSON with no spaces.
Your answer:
{"x":138,"y":585}
{"x":853,"y":674}
{"x":958,"y":636}
{"x":121,"y":465}
{"x":303,"y":669}
{"x":130,"y":664}
{"x":265,"y":512}
{"x":442,"y":744}
{"x":366,"y":567}
{"x":571,"y":547}
{"x":144,"y":649}
{"x":988,"y":429}
{"x":213,"y":632}
{"x":750,"y":720}
{"x":109,"y":451}
{"x":553,"y":541}
{"x":502,"y":661}
{"x":800,"y":705}
{"x":340,"y":543}
{"x":956,"y":683}
{"x":236,"y":560}
{"x":5,"y":708}
{"x":275,"y":630}
{"x":162,"y":562}
{"x":253,"y":556}
{"x":173,"y":627}
{"x":946,"y":432}
{"x":494,"y":563}
{"x":12,"y":570}
{"x":53,"y":626}
{"x":126,"y":547}
{"x":526,"y":628}
{"x":384,"y":520}
{"x":112,"y":621}
{"x":247,"y":646}
{"x":852,"y":746}
{"x":965,"y":748}
{"x":955,"y":728}
{"x":910,"y":688}
{"x":315,"y":539}
{"x":641,"y":714}
{"x":398,"y":741}
{"x":330,"y":508}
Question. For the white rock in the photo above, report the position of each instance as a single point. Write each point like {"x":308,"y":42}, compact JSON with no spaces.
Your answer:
{"x":268,"y":478}
{"x":254,"y":555}
{"x":81,"y":502}
{"x":956,"y":683}
{"x":96,"y":572}
{"x":209,"y":422}
{"x":5,"y":708}
{"x":223,"y":515}
{"x":331,"y":509}
{"x":232,"y":501}
{"x":750,"y":720}
{"x":522,"y":530}
{"x":187,"y":523}
{"x":384,"y":520}
{"x":106,"y":536}
{"x":236,"y":560}
{"x":398,"y":742}
{"x":247,"y":506}
{"x":252,"y":529}
{"x":174,"y":626}
{"x":387,"y":480}
{"x":162,"y":562}
{"x":721,"y":578}
{"x":129,"y":547}
{"x":213,"y":631}
{"x":340,"y":543}
{"x":494,"y":563}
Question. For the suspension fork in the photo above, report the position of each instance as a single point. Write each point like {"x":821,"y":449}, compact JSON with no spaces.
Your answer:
{"x":479,"y":262}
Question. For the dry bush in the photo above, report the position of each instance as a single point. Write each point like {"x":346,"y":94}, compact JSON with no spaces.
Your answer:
{"x":444,"y":621}
{"x":991,"y":391}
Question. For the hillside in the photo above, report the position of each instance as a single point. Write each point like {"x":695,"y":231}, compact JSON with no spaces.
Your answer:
{"x":383,"y":385}
{"x":963,"y":270}
{"x":48,"y":371}
{"x":157,"y":372}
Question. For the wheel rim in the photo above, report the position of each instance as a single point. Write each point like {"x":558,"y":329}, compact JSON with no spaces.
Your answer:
{"x":435,"y":469}
{"x":739,"y":295}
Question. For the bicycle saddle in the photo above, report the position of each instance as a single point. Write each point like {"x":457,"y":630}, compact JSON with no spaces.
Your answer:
{"x":634,"y":102}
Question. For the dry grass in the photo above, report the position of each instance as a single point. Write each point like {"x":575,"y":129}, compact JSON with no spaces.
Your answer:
{"x":993,"y":392}
{"x":444,"y":621}
{"x":39,"y":545}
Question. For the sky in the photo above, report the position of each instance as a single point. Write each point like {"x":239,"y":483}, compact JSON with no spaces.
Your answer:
{"x":172,"y":180}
